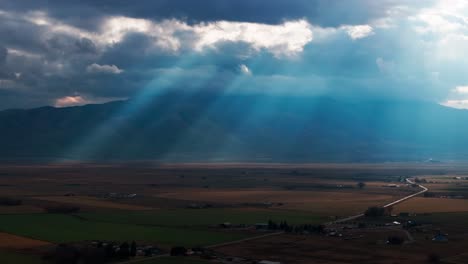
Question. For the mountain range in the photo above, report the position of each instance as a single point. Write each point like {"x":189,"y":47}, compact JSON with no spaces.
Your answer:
{"x":218,"y":127}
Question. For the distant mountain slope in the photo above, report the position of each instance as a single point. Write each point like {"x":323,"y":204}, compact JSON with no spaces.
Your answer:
{"x":211,"y":127}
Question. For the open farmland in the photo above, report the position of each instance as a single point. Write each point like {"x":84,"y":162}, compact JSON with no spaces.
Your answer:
{"x":185,"y":205}
{"x":66,"y":228}
{"x":9,"y":241}
{"x":325,"y":203}
{"x":204,"y":217}
{"x":433,"y":205}
{"x":92,"y":202}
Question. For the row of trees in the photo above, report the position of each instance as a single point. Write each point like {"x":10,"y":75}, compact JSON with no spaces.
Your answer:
{"x":69,"y":254}
{"x":283,"y":225}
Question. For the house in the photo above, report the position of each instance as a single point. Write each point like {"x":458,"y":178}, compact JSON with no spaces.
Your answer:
{"x":440,"y":238}
{"x":226,"y":225}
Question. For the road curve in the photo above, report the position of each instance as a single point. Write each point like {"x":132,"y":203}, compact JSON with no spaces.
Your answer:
{"x":408,"y":180}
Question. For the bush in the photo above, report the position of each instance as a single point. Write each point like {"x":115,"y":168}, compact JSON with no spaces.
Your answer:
{"x":375,"y":211}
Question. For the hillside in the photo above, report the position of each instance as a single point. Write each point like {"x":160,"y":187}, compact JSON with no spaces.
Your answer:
{"x":212,"y":127}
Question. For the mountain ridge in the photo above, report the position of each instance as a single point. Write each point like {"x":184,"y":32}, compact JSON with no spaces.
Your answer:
{"x":218,"y":127}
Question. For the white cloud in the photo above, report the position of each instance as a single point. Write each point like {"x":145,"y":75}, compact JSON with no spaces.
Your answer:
{"x":245,"y":70}
{"x":282,"y":40}
{"x":77,"y":100}
{"x":70,"y":101}
{"x":359,"y":31}
{"x":461,"y":89}
{"x":287,"y":39}
{"x":22,"y":53}
{"x":459,"y":104}
{"x":96,"y":68}
{"x":445,"y":17}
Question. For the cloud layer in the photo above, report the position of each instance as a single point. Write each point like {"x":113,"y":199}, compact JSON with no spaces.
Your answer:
{"x":57,"y":53}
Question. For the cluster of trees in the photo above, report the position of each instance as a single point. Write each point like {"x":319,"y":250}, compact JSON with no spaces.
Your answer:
{"x":375,"y":211}
{"x":429,"y":194}
{"x":69,"y":254}
{"x":62,"y":209}
{"x":283,"y":225}
{"x":418,"y":180}
{"x":8,"y":201}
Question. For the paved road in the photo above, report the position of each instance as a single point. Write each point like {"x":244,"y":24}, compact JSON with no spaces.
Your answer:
{"x":211,"y":246}
{"x":245,"y":239}
{"x":424,"y":189}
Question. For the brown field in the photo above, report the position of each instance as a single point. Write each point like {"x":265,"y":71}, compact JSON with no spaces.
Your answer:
{"x":320,"y":202}
{"x":91,"y":202}
{"x":433,"y":205}
{"x":319,"y":249}
{"x":8,"y":241}
{"x":317,"y":189}
{"x":22,"y":209}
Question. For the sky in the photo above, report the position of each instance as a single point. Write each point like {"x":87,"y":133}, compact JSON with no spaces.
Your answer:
{"x":66,"y":53}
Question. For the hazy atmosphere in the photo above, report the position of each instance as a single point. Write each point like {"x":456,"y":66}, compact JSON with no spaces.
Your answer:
{"x":233,"y":132}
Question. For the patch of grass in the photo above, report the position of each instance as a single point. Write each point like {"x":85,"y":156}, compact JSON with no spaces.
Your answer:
{"x":204,"y":217}
{"x":16,"y":258}
{"x":67,"y":228}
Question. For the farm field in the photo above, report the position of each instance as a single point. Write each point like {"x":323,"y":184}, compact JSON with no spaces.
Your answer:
{"x":57,"y":228}
{"x":433,"y":205}
{"x":92,"y":202}
{"x":325,"y":203}
{"x":9,"y":241}
{"x":184,"y":205}
{"x":204,"y":217}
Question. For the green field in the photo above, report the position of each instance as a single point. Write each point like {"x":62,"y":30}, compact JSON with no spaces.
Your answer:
{"x":203,"y":217}
{"x":67,"y":228}
{"x":15,"y":258}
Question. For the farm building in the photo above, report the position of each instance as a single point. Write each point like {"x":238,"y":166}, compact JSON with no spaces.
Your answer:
{"x":440,"y":238}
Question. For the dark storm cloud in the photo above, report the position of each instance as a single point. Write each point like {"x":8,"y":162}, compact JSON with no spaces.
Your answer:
{"x":87,"y":13}
{"x":3,"y":54}
{"x":42,"y":61}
